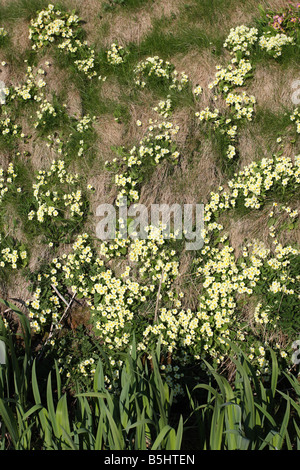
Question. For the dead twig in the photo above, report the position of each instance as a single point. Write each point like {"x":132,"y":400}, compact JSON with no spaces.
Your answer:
{"x":51,"y":333}
{"x":6,"y":311}
{"x":59,"y":294}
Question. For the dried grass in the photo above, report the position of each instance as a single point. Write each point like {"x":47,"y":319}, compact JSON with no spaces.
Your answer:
{"x":272,"y":87}
{"x":20,"y":36}
{"x":126,"y":27}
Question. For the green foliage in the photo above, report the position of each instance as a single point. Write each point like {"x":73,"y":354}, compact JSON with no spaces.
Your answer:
{"x":166,"y":44}
{"x":111,"y":5}
{"x":17,"y":9}
{"x":286,"y":19}
{"x":71,"y":350}
{"x":247,"y":414}
{"x":244,"y":415}
{"x":136,"y":415}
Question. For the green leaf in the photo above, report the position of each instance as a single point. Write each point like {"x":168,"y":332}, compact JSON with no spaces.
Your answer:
{"x":275,"y":372}
{"x":51,"y":409}
{"x":216,"y":427}
{"x":62,"y":414}
{"x":31,"y":411}
{"x":100,"y":434}
{"x":117,"y":438}
{"x":68,"y":439}
{"x":179,"y":434}
{"x":283,"y":433}
{"x":158,"y":441}
{"x":10,"y":422}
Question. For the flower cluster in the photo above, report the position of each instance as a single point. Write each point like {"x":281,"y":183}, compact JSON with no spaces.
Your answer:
{"x":12,"y":257}
{"x":46,"y":113}
{"x":58,"y":199}
{"x":49,"y":114}
{"x":198,"y":90}
{"x":85,"y":124}
{"x":242,"y":109}
{"x":3,"y":33}
{"x":231,"y":76}
{"x":116,"y":54}
{"x":295,"y":116}
{"x":287,"y":20}
{"x":31,"y":88}
{"x":87,"y":64}
{"x":273,"y":44}
{"x":164,"y":107}
{"x":261,"y":316}
{"x":6,"y":180}
{"x":224,"y":279}
{"x":157,"y":145}
{"x":8,"y":128}
{"x":240,"y":42}
{"x":12,"y":254}
{"x":242,"y":105}
{"x":252,"y":184}
{"x":51,"y":24}
{"x":161,"y":70}
{"x":241,"y":39}
{"x":87,"y":367}
{"x":116,"y":303}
